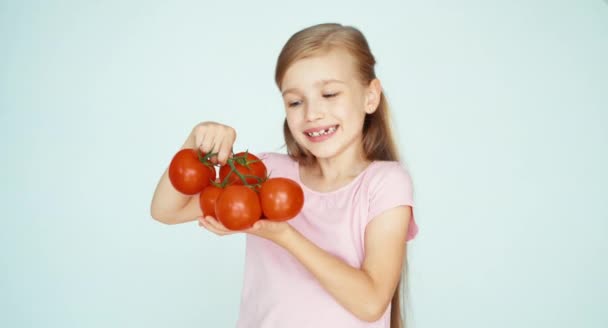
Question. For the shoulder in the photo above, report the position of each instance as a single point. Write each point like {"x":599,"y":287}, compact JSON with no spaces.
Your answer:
{"x":383,"y":174}
{"x":390,"y":186}
{"x":389,"y":183}
{"x":276,"y":162}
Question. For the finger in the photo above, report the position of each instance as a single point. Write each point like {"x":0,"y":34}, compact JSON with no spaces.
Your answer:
{"x":217,"y":145}
{"x":212,"y":229}
{"x":199,"y":135}
{"x":256,"y":227}
{"x":225,"y":150}
{"x":203,"y":223}
{"x":206,"y":144}
{"x":207,"y":225}
{"x":217,"y":225}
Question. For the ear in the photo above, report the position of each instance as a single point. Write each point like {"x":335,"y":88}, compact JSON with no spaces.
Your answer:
{"x":373,"y":95}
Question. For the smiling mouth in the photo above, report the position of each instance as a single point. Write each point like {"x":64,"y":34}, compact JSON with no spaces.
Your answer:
{"x":322,"y":132}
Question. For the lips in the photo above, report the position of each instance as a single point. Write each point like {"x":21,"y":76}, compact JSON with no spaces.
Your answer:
{"x":320,"y":131}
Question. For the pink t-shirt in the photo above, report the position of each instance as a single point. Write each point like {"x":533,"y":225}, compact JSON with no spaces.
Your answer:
{"x":278,"y":291}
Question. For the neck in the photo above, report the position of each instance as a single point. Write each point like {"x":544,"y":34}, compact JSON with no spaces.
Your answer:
{"x":346,"y":165}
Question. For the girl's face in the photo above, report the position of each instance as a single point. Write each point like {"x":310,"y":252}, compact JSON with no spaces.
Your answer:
{"x":326,"y":103}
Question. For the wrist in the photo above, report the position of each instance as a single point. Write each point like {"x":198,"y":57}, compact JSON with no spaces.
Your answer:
{"x":286,"y":236}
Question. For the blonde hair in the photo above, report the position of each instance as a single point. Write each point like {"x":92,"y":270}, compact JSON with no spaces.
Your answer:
{"x":378,"y":141}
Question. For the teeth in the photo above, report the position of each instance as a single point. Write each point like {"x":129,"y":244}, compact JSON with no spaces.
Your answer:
{"x":322,"y":132}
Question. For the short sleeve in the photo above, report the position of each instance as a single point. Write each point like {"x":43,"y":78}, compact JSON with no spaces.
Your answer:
{"x":389,"y":188}
{"x":278,"y":165}
{"x":267,"y":158}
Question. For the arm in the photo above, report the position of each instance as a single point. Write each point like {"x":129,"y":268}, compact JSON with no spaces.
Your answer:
{"x":365,"y":292}
{"x":168,"y":205}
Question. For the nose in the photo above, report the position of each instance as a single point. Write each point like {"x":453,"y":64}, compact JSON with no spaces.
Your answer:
{"x":314,"y":111}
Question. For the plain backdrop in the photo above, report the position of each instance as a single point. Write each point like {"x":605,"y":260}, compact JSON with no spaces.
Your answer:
{"x":501,"y":114}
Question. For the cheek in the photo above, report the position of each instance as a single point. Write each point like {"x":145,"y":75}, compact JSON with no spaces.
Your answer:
{"x":295,"y":117}
{"x":351,"y":110}
{"x":292,"y":124}
{"x":354,"y":116}
{"x":354,"y":102}
{"x":291,"y":119}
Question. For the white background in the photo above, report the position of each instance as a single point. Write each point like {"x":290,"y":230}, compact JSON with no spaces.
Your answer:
{"x":501,"y":110}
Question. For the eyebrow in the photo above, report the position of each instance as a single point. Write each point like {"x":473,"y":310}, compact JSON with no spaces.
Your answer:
{"x":320,"y":82}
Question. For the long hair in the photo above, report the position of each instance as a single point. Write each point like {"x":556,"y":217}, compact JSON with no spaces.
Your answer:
{"x":378,"y":140}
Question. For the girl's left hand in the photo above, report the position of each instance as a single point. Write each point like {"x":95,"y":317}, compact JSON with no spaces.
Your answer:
{"x":271,"y":230}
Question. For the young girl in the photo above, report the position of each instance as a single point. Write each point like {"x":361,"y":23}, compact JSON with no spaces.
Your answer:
{"x":339,"y":262}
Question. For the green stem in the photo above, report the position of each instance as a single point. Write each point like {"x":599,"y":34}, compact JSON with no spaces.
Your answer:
{"x":205,"y":159}
{"x":260,"y":180}
{"x":233,"y":168}
{"x":226,"y":179}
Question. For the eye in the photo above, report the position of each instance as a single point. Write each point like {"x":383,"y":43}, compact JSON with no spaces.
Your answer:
{"x":294,"y":103}
{"x":330,"y":95}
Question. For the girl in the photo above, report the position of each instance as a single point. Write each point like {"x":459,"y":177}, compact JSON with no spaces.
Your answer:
{"x":339,"y":262}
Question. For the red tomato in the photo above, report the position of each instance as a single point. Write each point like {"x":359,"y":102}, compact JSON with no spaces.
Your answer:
{"x":238,"y":207}
{"x":188,"y":174}
{"x":207,"y":199}
{"x":251,"y":167}
{"x":281,"y":198}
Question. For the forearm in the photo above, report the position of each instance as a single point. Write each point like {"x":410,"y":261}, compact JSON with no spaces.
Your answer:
{"x":166,"y":201}
{"x":353,"y":288}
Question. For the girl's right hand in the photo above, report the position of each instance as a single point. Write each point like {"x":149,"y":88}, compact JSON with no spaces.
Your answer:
{"x":170,"y":206}
{"x":214,"y":137}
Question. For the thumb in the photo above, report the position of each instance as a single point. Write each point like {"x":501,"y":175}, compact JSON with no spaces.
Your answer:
{"x":258,"y":225}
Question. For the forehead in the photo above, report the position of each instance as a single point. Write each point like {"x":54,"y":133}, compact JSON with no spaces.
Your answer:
{"x":308,"y":72}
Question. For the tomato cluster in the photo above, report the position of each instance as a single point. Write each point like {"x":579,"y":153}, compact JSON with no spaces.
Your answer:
{"x":243,"y":193}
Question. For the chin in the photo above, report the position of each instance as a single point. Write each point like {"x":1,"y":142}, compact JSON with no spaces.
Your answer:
{"x":320,"y":151}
